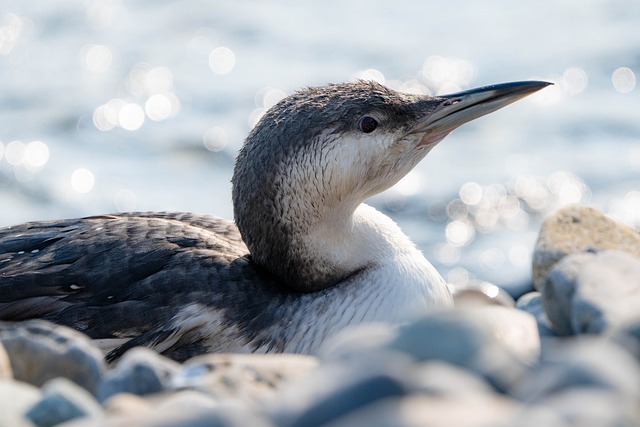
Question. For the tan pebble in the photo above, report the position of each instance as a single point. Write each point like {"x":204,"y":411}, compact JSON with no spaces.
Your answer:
{"x":575,"y":229}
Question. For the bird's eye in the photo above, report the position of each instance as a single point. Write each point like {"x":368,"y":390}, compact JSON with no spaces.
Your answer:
{"x":368,"y":124}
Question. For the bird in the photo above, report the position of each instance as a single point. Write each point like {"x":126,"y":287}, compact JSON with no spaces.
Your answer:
{"x":304,"y":258}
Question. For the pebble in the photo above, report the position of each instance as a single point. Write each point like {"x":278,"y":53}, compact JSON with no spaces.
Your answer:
{"x":590,"y":362}
{"x":575,"y":229}
{"x":532,"y":303}
{"x":593,"y":292}
{"x":6,"y":373}
{"x":15,"y":399}
{"x":62,"y":400}
{"x":248,"y":377}
{"x":140,"y":371}
{"x":432,"y":411}
{"x":494,"y":342}
{"x":473,"y":293}
{"x":40,"y":351}
{"x":336,"y":389}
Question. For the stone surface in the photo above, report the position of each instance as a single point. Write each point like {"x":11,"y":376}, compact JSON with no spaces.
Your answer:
{"x":6,"y":373}
{"x":126,"y":404}
{"x":40,"y":351}
{"x":432,"y":411}
{"x":222,"y":415}
{"x":494,"y":342}
{"x":140,"y":371}
{"x":62,"y":400}
{"x":575,"y":229}
{"x":247,"y":377}
{"x":581,"y":363}
{"x":532,"y":304}
{"x":15,"y":399}
{"x":439,"y":378}
{"x":593,"y":292}
{"x":474,"y":294}
{"x":593,"y":408}
{"x":336,"y":389}
{"x":355,"y":341}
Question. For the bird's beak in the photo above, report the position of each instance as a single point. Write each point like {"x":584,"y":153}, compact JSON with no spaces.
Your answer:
{"x":462,"y":107}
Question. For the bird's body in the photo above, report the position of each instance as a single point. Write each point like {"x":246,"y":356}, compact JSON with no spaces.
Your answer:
{"x":316,"y":258}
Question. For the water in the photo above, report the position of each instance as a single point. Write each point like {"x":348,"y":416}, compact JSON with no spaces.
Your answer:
{"x":110,"y":106}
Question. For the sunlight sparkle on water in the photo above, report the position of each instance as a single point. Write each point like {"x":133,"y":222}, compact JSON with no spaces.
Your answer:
{"x":459,"y":233}
{"x":160,"y":106}
{"x":222,"y":60}
{"x":624,"y":80}
{"x":409,"y":185}
{"x":36,"y":154}
{"x":82,"y":180}
{"x":96,"y":58}
{"x":11,"y":28}
{"x":215,"y":138}
{"x":446,"y":75}
{"x":627,"y":210}
{"x":369,"y":74}
{"x":14,"y":153}
{"x":131,"y":116}
{"x":471,"y":193}
{"x":268,"y":96}
{"x":575,"y":80}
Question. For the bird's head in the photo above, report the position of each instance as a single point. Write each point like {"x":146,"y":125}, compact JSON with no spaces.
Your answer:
{"x":319,"y":153}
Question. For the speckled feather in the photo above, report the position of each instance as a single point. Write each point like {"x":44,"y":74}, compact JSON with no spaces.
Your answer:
{"x":129,"y":275}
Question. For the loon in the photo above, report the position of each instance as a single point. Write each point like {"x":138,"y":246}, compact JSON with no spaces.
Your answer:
{"x":304,"y":259}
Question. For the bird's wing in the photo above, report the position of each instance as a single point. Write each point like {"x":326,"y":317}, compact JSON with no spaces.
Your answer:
{"x":128,"y":275}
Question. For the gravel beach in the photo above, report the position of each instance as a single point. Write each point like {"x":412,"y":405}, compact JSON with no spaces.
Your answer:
{"x":564,"y":354}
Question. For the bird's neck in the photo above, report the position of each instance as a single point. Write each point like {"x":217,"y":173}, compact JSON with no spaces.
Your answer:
{"x":325,"y":247}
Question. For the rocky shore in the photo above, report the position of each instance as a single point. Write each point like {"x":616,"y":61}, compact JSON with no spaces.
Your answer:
{"x":567,"y":354}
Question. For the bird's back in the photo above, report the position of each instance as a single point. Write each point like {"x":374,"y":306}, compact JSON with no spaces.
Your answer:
{"x":131,"y":276}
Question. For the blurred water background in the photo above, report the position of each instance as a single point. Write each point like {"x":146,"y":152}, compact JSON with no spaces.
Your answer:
{"x":110,"y":106}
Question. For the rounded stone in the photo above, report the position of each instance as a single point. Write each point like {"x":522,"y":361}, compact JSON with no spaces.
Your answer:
{"x":582,"y":363}
{"x":15,"y":399}
{"x":474,"y":294}
{"x":6,"y":373}
{"x":575,"y":229}
{"x":41,"y":350}
{"x":593,"y":292}
{"x":532,"y":303}
{"x":336,"y":389}
{"x":432,"y":411}
{"x":140,"y":371}
{"x":62,"y":400}
{"x":496,"y":343}
{"x":247,"y":377}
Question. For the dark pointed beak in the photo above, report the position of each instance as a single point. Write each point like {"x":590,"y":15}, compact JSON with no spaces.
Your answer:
{"x":462,"y":107}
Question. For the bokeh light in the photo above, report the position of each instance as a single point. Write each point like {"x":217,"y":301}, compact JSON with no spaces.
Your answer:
{"x":11,"y":28}
{"x":215,"y":138}
{"x":82,"y":180}
{"x":447,"y":75}
{"x":14,"y":153}
{"x":459,"y":233}
{"x":369,"y":74}
{"x":158,"y":107}
{"x":36,"y":154}
{"x":575,"y":80}
{"x":624,"y":80}
{"x":130,"y":116}
{"x":96,"y":58}
{"x":222,"y":60}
